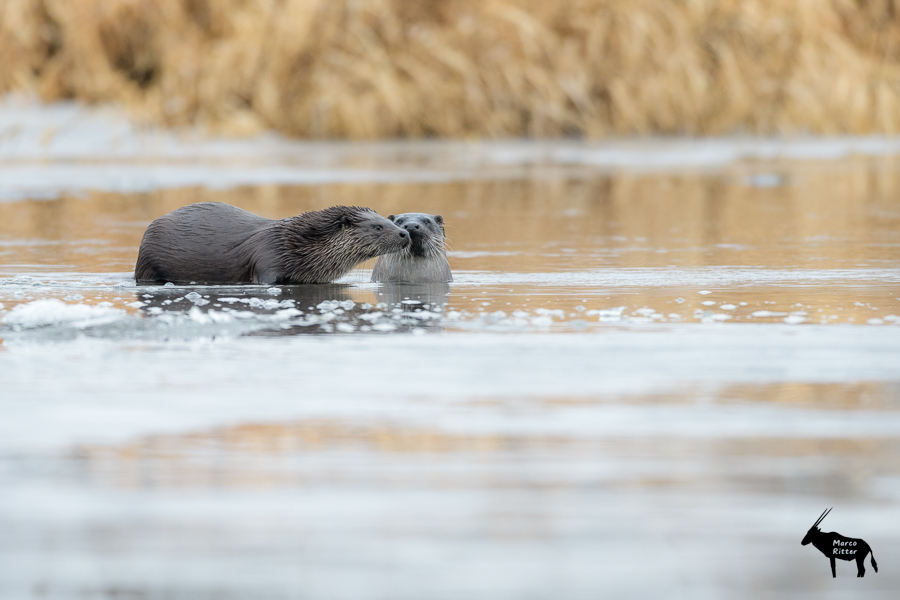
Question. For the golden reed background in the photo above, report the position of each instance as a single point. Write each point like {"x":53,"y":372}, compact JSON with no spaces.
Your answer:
{"x":364,"y":69}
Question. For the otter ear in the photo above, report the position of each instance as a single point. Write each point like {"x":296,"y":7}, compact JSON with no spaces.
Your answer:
{"x":391,"y":218}
{"x":346,"y":221}
{"x":439,"y":219}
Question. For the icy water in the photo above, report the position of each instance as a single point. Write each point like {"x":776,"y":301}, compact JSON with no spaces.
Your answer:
{"x":642,"y":383}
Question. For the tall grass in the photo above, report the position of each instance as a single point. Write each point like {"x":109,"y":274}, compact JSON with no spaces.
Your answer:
{"x":364,"y":69}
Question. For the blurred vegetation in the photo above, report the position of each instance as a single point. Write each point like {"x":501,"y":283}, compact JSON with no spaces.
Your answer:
{"x":362,"y":69}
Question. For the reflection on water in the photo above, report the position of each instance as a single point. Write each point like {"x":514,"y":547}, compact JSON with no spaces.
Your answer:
{"x":265,"y":454}
{"x":819,"y":246}
{"x":821,"y":217}
{"x":631,"y":374}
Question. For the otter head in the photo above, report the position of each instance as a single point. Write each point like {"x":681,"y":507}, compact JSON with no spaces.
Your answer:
{"x":426,"y":233}
{"x":371,"y":234}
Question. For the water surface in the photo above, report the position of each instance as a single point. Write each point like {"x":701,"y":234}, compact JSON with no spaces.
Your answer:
{"x":669,"y":371}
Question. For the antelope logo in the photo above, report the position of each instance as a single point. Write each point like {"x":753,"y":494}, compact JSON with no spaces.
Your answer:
{"x":834,"y":545}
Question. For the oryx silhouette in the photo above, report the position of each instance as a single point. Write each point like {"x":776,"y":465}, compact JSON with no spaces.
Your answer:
{"x":834,"y":545}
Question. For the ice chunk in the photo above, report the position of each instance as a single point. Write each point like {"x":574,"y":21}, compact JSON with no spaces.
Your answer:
{"x":610,"y":314}
{"x":196,"y":299}
{"x":47,"y":312}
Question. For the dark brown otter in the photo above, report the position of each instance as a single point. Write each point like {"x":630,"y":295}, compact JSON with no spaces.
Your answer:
{"x":212,"y":243}
{"x":424,"y":260}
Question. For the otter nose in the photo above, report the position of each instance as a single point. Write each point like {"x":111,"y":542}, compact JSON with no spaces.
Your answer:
{"x":403,"y":234}
{"x":410,"y":226}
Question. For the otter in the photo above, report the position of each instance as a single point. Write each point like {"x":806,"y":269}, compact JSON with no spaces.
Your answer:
{"x":424,"y":260}
{"x":211,"y":243}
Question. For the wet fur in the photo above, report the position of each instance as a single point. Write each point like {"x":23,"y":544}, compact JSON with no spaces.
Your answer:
{"x":424,"y":260}
{"x":214,"y":243}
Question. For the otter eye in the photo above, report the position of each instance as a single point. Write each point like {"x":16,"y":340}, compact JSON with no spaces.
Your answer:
{"x":428,"y":221}
{"x":378,"y":228}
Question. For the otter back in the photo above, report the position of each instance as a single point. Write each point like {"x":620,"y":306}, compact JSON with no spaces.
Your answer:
{"x":424,"y":260}
{"x":217,"y":244}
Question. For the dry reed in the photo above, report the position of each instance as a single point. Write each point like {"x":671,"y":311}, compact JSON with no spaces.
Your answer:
{"x":363,"y":69}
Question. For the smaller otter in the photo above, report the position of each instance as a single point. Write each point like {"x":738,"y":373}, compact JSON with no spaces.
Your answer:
{"x":211,"y":243}
{"x":424,"y":260}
